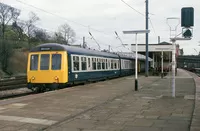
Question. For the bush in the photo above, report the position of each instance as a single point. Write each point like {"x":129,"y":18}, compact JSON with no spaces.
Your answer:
{"x":6,"y":51}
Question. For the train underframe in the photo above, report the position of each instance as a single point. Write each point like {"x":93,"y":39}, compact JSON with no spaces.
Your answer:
{"x":43,"y":87}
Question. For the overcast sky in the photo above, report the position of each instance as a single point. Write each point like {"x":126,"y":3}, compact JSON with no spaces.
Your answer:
{"x":108,"y":16}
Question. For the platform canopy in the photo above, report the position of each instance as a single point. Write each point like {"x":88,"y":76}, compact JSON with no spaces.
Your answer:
{"x":164,"y":46}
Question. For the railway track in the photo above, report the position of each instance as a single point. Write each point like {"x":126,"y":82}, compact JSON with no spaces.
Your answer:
{"x":13,"y":87}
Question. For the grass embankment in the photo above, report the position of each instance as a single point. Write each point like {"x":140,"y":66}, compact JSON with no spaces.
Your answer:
{"x":17,"y":63}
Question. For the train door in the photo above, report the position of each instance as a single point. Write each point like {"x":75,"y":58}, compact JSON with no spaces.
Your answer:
{"x":70,"y":74}
{"x":120,"y":65}
{"x":89,"y":66}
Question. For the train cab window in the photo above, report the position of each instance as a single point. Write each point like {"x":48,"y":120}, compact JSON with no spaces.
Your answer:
{"x":76,"y":63}
{"x":99,"y":64}
{"x":83,"y":63}
{"x":56,"y":62}
{"x":94,"y":65}
{"x":44,"y":62}
{"x":34,"y":62}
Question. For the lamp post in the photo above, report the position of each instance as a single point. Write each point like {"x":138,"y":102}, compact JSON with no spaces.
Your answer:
{"x":136,"y":50}
{"x":174,"y":63}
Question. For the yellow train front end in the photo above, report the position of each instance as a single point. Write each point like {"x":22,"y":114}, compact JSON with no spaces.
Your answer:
{"x":47,"y":70}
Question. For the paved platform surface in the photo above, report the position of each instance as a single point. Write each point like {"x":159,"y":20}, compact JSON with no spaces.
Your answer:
{"x":106,"y":106}
{"x":195,"y":124}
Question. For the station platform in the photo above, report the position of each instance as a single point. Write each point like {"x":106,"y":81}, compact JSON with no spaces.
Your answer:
{"x":111,"y":105}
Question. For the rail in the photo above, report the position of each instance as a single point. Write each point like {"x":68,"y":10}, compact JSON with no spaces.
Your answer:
{"x":14,"y":87}
{"x":13,"y":83}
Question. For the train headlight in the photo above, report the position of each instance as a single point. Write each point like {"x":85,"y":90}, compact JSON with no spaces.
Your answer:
{"x":56,"y":78}
{"x":33,"y":78}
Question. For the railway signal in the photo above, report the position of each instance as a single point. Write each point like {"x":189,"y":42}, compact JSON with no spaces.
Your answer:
{"x":187,"y":21}
{"x":187,"y":17}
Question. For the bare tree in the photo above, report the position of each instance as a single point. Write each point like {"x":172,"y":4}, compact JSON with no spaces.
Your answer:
{"x":66,"y":34}
{"x":30,"y":26}
{"x":41,"y":35}
{"x":19,"y":27}
{"x":58,"y":37}
{"x":7,"y":14}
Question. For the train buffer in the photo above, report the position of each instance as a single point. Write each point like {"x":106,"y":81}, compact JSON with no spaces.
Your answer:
{"x":107,"y":106}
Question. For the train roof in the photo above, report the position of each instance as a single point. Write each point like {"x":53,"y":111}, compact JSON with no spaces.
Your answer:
{"x":71,"y":49}
{"x":78,"y":50}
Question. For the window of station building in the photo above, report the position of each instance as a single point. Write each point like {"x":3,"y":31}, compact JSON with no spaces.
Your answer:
{"x":56,"y":62}
{"x":99,"y":64}
{"x":44,"y":62}
{"x":103,"y":64}
{"x":76,"y":63}
{"x":34,"y":62}
{"x":94,"y":64}
{"x":83,"y":63}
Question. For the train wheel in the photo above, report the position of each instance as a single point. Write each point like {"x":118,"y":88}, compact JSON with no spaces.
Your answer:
{"x":54,"y":87}
{"x":38,"y":89}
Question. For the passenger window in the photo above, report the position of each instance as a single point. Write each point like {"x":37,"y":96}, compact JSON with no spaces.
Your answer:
{"x":76,"y":63}
{"x":94,"y":65}
{"x":115,"y":64}
{"x":109,"y":64}
{"x":118,"y":64}
{"x":83,"y":63}
{"x":99,"y":64}
{"x":106,"y":63}
{"x":112,"y":64}
{"x":34,"y":62}
{"x":89,"y":64}
{"x":44,"y":62}
{"x":103,"y":64}
{"x":56,"y":62}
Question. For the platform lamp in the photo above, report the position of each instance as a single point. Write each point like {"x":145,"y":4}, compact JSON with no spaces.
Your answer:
{"x":136,"y":55}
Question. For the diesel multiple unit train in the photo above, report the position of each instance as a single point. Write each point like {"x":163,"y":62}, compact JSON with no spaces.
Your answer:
{"x":51,"y":66}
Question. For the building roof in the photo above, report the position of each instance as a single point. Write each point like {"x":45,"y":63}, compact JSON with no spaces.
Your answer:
{"x":162,"y":43}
